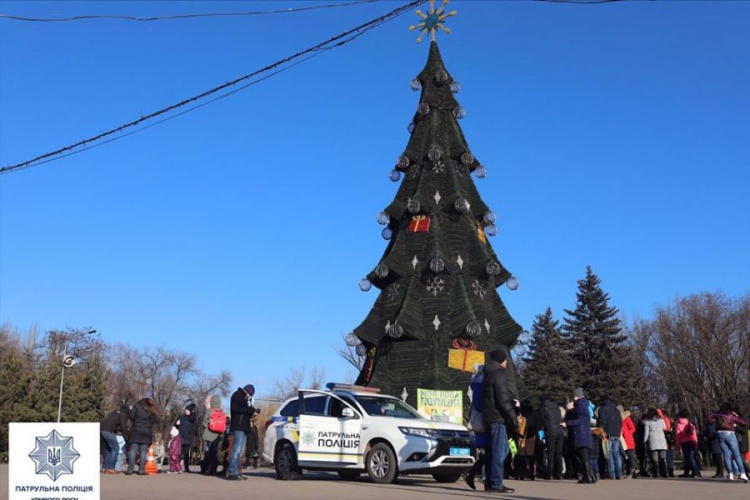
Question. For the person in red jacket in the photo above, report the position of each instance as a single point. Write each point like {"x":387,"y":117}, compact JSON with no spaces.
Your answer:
{"x":628,"y":435}
{"x":686,"y":438}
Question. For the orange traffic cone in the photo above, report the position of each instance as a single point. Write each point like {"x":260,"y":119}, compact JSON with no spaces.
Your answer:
{"x":151,"y":469}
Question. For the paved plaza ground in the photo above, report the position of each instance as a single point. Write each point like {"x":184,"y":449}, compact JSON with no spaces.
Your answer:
{"x":262,"y":485}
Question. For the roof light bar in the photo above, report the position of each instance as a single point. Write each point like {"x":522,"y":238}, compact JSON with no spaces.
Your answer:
{"x":333,"y":386}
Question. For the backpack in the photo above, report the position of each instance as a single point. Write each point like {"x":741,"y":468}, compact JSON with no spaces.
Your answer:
{"x":217,"y":422}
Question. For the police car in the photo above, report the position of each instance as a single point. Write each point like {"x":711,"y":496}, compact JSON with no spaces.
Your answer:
{"x":352,"y":429}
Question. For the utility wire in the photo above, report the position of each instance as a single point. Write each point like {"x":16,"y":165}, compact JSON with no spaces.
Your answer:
{"x":182,"y":16}
{"x":329,"y":44}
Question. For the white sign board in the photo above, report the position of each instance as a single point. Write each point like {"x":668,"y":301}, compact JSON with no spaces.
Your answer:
{"x":329,"y":439}
{"x":54,"y":461}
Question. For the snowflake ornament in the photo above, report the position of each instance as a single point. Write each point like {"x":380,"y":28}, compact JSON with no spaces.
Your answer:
{"x":432,"y":20}
{"x":478,"y":289}
{"x":392,"y":292}
{"x":435,"y":285}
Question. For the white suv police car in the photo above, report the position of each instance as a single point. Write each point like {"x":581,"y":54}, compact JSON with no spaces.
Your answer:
{"x":351,"y":429}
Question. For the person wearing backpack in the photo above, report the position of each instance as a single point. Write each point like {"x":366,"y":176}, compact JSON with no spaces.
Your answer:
{"x":686,"y":439}
{"x":214,"y":424}
{"x":726,"y":423}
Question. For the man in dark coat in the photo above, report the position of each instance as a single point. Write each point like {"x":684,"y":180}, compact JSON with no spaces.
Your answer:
{"x":242,"y":410}
{"x":499,"y":415}
{"x":554,"y":435}
{"x":611,"y":421}
{"x":116,"y":420}
{"x":186,"y":426}
{"x":577,"y":420}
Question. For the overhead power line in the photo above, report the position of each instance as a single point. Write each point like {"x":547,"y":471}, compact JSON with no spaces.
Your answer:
{"x":330,"y":44}
{"x":182,"y":16}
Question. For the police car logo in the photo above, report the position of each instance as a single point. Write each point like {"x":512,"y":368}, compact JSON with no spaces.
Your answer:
{"x":308,"y":438}
{"x":54,"y":455}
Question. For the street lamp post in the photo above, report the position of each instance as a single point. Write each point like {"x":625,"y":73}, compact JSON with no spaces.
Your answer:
{"x":68,"y":361}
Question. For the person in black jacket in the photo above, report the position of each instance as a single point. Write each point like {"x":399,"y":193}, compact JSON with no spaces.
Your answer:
{"x":116,"y":420}
{"x":186,"y":426}
{"x":499,"y":415}
{"x":554,"y":435}
{"x":242,"y":410}
{"x":143,"y":416}
{"x":611,"y":421}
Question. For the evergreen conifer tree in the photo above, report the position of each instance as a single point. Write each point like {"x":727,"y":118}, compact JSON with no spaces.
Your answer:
{"x":547,"y":366}
{"x":439,"y":274}
{"x":603,"y":361}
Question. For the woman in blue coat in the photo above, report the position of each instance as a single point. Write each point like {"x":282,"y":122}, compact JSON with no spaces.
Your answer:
{"x":482,"y":435}
{"x":578,"y":421}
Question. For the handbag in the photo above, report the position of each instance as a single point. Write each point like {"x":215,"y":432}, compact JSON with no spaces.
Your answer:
{"x":623,"y":444}
{"x":527,"y":446}
{"x":476,"y":421}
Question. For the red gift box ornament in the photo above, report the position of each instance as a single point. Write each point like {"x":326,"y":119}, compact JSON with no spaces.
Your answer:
{"x":419,"y":224}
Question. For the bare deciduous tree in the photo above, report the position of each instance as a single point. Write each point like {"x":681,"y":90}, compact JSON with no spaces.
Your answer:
{"x":299,"y":378}
{"x":698,"y":352}
{"x":350,"y":354}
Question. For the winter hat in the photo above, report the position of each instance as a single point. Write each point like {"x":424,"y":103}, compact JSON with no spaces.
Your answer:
{"x":578,"y":393}
{"x":174,"y":432}
{"x":215,"y":401}
{"x":249,"y":389}
{"x":498,"y":355}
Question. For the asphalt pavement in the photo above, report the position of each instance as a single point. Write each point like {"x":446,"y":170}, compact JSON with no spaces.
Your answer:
{"x":315,"y":486}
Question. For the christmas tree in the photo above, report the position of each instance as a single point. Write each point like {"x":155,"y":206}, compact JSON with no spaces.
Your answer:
{"x":548,"y":366}
{"x":438,"y":310}
{"x":603,"y":361}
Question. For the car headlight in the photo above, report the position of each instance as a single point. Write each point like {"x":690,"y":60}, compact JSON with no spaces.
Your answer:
{"x":416,"y":431}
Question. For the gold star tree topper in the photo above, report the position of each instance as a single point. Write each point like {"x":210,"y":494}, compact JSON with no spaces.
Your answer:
{"x":433,"y":20}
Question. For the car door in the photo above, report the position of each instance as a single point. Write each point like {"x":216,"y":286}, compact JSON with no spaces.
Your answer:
{"x":325,"y":438}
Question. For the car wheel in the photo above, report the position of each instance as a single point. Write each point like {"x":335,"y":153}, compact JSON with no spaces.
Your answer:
{"x":450,"y":477}
{"x":285,"y":463}
{"x":349,"y":475}
{"x":381,"y":464}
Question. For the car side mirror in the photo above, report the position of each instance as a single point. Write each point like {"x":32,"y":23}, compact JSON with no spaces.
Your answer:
{"x":347,"y":413}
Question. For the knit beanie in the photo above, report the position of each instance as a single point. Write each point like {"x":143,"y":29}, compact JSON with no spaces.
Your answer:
{"x":578,"y":393}
{"x":249,"y":389}
{"x":498,"y":355}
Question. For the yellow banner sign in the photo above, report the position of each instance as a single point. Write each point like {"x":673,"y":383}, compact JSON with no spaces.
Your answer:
{"x":440,"y":406}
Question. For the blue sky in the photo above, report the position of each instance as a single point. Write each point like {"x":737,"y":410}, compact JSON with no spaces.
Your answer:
{"x":615,"y":136}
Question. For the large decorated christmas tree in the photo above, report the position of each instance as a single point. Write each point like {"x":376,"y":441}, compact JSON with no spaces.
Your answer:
{"x":438,"y":311}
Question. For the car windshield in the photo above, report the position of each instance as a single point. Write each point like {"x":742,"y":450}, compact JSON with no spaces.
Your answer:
{"x":386,"y":407}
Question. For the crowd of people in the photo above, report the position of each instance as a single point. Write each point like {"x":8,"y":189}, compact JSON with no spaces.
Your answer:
{"x":578,"y":440}
{"x":228,"y":442}
{"x":574,"y":440}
